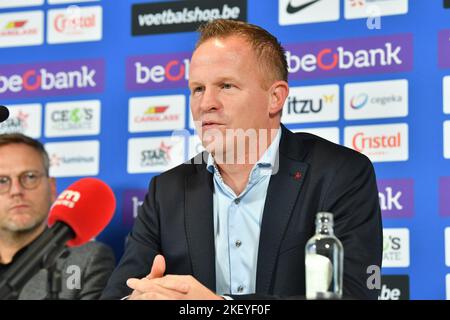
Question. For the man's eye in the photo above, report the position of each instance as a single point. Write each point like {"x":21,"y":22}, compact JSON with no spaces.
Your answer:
{"x":4,"y":180}
{"x":197,"y":90}
{"x":31,"y":176}
{"x":226,"y":86}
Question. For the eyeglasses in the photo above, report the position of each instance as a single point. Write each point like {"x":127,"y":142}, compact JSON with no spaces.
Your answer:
{"x":28,"y":180}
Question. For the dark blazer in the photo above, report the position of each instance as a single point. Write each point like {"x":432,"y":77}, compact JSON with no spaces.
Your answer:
{"x":176,"y":220}
{"x":95,"y":262}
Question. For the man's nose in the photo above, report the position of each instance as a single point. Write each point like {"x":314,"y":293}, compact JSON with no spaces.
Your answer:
{"x":209,"y":100}
{"x":16,"y":187}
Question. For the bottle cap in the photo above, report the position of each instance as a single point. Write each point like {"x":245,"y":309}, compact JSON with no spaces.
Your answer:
{"x":324,"y":218}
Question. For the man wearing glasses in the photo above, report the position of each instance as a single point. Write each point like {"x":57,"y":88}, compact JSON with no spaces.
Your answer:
{"x":26,"y":195}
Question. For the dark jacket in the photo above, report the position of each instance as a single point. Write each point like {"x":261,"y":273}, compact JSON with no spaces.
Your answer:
{"x":176,"y":220}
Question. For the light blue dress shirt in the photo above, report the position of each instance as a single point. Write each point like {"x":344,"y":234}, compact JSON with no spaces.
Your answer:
{"x":237,"y":224}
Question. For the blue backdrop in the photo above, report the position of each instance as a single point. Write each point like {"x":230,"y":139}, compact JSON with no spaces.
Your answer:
{"x":411,"y":172}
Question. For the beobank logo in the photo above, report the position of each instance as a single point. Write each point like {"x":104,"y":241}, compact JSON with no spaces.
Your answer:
{"x":51,"y":78}
{"x":162,"y":71}
{"x":350,"y":57}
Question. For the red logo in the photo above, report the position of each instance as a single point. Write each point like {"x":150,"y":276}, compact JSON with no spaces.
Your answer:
{"x":361,"y":142}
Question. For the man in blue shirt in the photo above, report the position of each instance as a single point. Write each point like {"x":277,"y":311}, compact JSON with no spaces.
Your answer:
{"x":233,"y":223}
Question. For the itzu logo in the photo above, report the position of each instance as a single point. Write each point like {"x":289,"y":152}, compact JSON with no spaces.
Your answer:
{"x":52,"y":78}
{"x":72,"y":118}
{"x":350,"y":57}
{"x":158,"y":71}
{"x":395,"y":247}
{"x":312,"y":104}
{"x":396,"y":198}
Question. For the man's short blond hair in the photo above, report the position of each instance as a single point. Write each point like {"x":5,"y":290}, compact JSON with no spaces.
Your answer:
{"x":268,"y":50}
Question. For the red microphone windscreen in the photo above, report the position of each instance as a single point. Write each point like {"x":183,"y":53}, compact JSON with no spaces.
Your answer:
{"x":87,"y":206}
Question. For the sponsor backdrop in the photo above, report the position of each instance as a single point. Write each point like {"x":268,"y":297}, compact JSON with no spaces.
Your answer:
{"x":104,"y":85}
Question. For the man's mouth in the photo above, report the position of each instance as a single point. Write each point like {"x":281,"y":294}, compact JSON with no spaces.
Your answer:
{"x":207,"y":125}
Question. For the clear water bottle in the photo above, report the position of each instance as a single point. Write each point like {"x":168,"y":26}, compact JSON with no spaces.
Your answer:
{"x":324,"y":256}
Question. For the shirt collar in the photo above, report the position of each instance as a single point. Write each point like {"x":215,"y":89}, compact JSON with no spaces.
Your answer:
{"x":267,"y":160}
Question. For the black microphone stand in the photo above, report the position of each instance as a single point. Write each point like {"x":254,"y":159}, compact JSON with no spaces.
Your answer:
{"x":40,"y":254}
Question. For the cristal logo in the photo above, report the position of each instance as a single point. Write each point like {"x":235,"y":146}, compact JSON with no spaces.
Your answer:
{"x":159,"y":156}
{"x":361,"y":142}
{"x":48,"y":78}
{"x":74,"y":23}
{"x":359,"y":101}
{"x":350,"y":56}
{"x":68,"y":198}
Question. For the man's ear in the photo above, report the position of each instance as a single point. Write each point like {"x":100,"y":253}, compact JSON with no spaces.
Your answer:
{"x":279,"y":91}
{"x":53,"y":189}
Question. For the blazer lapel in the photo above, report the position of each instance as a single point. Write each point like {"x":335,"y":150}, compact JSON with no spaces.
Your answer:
{"x":200,"y":225}
{"x":282,"y":193}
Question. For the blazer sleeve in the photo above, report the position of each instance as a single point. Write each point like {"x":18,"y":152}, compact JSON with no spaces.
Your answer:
{"x":142,"y":245}
{"x":101,"y":262}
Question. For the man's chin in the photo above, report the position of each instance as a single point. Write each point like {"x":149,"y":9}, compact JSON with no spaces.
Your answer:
{"x":23,"y":225}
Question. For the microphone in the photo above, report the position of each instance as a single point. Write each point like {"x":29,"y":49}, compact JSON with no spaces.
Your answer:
{"x":79,"y":213}
{"x":4,"y":113}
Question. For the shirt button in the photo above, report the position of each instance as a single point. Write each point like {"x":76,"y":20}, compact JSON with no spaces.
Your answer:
{"x":238,"y":243}
{"x":240,"y":289}
{"x":237,"y":200}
